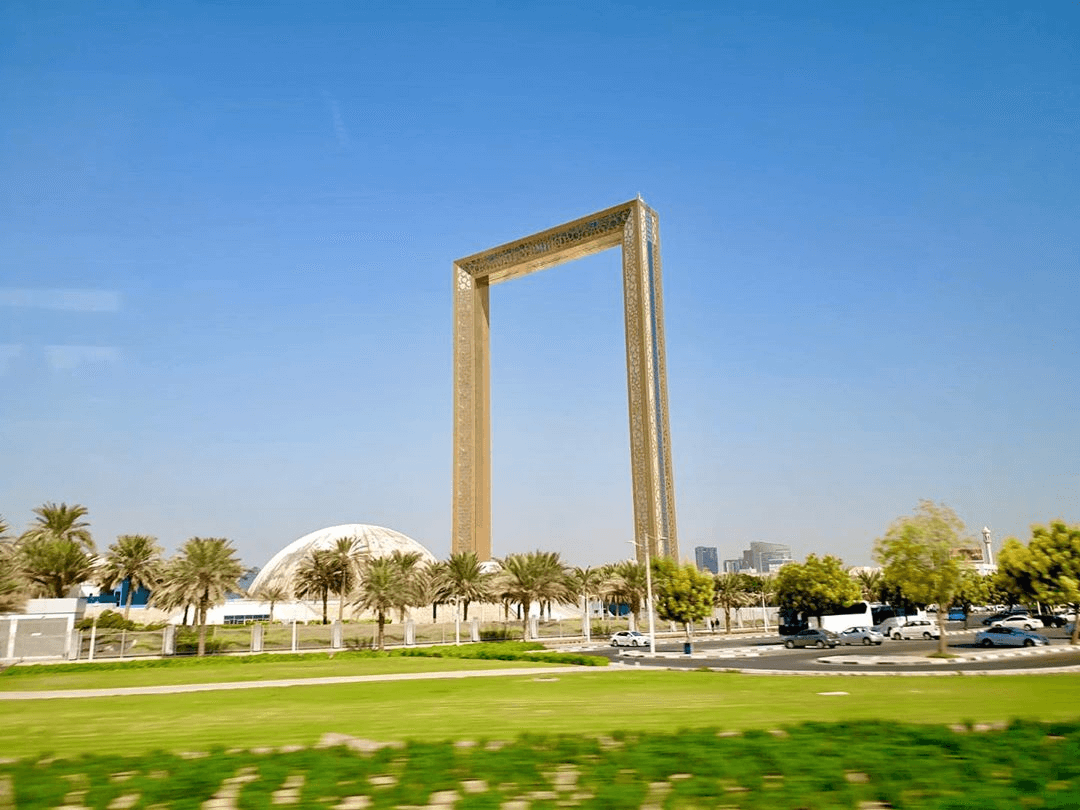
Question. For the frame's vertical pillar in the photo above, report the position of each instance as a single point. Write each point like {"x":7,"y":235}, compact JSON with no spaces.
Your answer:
{"x":646,"y":380}
{"x":472,"y":416}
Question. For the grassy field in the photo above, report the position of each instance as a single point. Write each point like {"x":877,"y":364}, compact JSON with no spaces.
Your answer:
{"x":840,"y":766}
{"x":610,"y":737}
{"x":591,"y":703}
{"x":227,"y":671}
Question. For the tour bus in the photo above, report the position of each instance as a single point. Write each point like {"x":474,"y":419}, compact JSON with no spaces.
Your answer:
{"x":860,"y":614}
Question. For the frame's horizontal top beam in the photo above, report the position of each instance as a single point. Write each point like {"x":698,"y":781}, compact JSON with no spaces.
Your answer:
{"x":571,"y":240}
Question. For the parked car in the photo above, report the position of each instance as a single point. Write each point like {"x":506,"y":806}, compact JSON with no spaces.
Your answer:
{"x":888,"y":625}
{"x":1019,"y":622}
{"x":1052,"y":619}
{"x":1001,"y":636}
{"x":1004,"y":614}
{"x":629,"y":638}
{"x":812,"y":637}
{"x":860,"y":635}
{"x":920,"y":628}
{"x":957,"y":614}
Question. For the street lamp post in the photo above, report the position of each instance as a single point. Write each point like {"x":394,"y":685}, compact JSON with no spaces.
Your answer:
{"x":649,"y":594}
{"x":457,"y":621}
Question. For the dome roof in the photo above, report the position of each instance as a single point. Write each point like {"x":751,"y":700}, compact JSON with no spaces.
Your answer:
{"x":373,"y":541}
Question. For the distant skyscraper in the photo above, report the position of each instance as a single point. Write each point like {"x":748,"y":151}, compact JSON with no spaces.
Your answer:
{"x":766,"y":557}
{"x":705,"y":557}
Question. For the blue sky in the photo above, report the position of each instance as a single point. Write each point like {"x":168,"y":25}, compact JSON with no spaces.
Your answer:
{"x":226,"y":235}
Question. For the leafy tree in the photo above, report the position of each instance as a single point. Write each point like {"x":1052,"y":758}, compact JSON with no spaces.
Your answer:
{"x":730,"y":591}
{"x":61,"y":522}
{"x":209,"y":569}
{"x":919,"y":553}
{"x":1048,"y":570}
{"x":533,"y":577}
{"x":820,"y":585}
{"x":683,"y":593}
{"x":135,"y":558}
{"x":316,"y":577}
{"x":974,"y":589}
{"x":379,"y":590}
{"x":464,"y":577}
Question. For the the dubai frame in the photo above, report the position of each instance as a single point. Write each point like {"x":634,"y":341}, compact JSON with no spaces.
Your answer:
{"x":635,"y":226}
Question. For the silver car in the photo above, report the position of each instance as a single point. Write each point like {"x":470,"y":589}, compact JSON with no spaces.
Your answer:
{"x":860,"y":635}
{"x":1001,"y":636}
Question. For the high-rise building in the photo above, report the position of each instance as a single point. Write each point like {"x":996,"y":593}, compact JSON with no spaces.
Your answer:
{"x":766,"y":557}
{"x":706,"y":559}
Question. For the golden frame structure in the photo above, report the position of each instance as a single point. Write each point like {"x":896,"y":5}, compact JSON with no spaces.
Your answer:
{"x":635,"y":227}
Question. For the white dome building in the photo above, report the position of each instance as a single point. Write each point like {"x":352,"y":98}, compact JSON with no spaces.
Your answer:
{"x":372,"y":541}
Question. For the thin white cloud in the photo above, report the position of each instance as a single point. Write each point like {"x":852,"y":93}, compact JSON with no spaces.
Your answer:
{"x":66,"y":300}
{"x":69,"y":358}
{"x":340,"y":132}
{"x":9,"y":353}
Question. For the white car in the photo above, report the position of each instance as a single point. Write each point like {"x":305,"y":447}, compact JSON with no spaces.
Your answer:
{"x":1018,"y":622}
{"x":629,"y":638}
{"x":920,"y":628}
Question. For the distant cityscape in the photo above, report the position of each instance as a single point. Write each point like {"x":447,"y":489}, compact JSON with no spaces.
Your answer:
{"x":760,"y":558}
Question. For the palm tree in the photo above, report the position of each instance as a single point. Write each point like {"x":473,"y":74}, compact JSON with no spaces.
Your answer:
{"x":208,"y":568}
{"x":53,"y":565}
{"x":272,"y":594}
{"x":584,"y":584}
{"x":379,"y":590}
{"x":61,"y":522}
{"x":12,"y":583}
{"x":135,"y":558}
{"x":729,"y":590}
{"x":870,"y":582}
{"x":536,"y":576}
{"x":316,"y":577}
{"x":431,"y":587}
{"x":172,"y":592}
{"x":627,"y":584}
{"x":344,"y":557}
{"x":762,"y":589}
{"x":408,"y":563}
{"x":465,"y":579}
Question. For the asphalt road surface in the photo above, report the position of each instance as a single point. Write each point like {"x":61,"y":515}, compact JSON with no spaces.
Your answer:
{"x":766,"y":652}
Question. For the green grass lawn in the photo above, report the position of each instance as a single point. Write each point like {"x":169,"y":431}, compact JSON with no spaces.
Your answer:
{"x":581,"y":703}
{"x":216,"y":670}
{"x":835,"y":766}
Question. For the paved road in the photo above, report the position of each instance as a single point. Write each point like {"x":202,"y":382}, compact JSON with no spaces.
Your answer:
{"x":766,"y":653}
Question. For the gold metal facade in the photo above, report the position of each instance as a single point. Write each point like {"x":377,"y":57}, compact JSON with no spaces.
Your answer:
{"x":635,"y":226}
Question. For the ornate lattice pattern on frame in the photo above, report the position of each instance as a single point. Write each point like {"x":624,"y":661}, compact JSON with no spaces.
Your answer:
{"x":635,"y":227}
